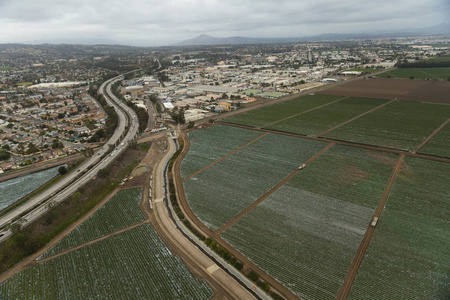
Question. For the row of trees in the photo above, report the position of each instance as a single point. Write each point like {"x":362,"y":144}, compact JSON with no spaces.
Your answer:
{"x":438,"y":62}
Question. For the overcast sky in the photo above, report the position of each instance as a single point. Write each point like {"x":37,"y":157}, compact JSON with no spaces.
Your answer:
{"x":164,"y":22}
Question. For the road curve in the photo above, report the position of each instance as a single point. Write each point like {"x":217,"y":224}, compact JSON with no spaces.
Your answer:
{"x":37,"y":206}
{"x":237,"y":285}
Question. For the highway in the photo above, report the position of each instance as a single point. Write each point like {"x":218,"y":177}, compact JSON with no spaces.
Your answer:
{"x":37,"y":206}
{"x":210,"y":263}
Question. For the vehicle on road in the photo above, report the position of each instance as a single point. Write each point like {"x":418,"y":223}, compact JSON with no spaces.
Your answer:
{"x":374,"y":222}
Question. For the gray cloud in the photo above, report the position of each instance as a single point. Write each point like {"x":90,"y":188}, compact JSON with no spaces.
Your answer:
{"x":153,"y":22}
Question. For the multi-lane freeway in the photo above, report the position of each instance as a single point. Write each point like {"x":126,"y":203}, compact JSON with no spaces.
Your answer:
{"x":126,"y":131}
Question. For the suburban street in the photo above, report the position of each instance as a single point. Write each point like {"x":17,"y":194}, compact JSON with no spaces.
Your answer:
{"x":57,"y":193}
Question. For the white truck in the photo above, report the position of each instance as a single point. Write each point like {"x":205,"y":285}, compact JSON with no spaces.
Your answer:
{"x":374,"y":222}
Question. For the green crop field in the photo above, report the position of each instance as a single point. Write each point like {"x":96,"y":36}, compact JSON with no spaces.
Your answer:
{"x":417,"y":73}
{"x":366,"y":70}
{"x":121,"y":211}
{"x":132,"y":265}
{"x":401,"y":125}
{"x":272,"y":94}
{"x":408,"y":257}
{"x":211,"y":143}
{"x":439,"y":144}
{"x":322,"y":119}
{"x":251,"y":92}
{"x":306,"y":234}
{"x":272,"y":113}
{"x":222,"y":191}
{"x":24,"y":83}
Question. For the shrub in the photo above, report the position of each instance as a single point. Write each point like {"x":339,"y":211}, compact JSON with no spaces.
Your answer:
{"x":253,"y":276}
{"x":264,"y":285}
{"x":276,"y":296}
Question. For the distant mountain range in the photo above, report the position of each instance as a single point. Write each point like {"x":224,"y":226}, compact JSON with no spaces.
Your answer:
{"x":207,"y":40}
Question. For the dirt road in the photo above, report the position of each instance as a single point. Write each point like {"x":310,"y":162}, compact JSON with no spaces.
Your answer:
{"x":357,"y":260}
{"x":189,"y":214}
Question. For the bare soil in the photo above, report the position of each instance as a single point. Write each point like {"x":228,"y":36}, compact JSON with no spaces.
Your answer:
{"x":401,"y":89}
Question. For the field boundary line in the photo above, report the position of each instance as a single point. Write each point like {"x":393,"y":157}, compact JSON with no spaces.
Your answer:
{"x":431,"y":136}
{"x":348,"y":143}
{"x":303,"y":112}
{"x":364,"y":245}
{"x":269,"y":192}
{"x":224,"y":157}
{"x":92,"y":241}
{"x":429,"y":74}
{"x":357,"y":117}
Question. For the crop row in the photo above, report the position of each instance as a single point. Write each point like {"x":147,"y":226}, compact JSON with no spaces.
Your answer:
{"x":319,"y":120}
{"x":401,"y":125}
{"x":223,"y":190}
{"x":121,"y":211}
{"x":439,"y":143}
{"x":278,"y":111}
{"x":132,"y":265}
{"x":212,"y":143}
{"x":306,"y":233}
{"x":14,"y":189}
{"x":408,"y":257}
{"x":418,"y":73}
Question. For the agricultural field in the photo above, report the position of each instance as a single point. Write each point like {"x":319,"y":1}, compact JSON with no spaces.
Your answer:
{"x":417,"y":73}
{"x":400,"y":125}
{"x":132,"y":265}
{"x":402,"y":89}
{"x":306,"y":233}
{"x":121,"y":211}
{"x":16,"y":188}
{"x":278,"y":111}
{"x":408,"y":257}
{"x":366,"y":70}
{"x":319,"y":120}
{"x":223,"y":190}
{"x":212,"y":143}
{"x":439,"y":144}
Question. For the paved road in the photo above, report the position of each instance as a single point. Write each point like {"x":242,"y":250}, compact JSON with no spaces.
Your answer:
{"x":190,"y":245}
{"x":151,"y":115}
{"x":38,"y":205}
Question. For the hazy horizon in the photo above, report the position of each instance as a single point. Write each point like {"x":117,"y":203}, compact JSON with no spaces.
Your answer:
{"x":155,"y":23}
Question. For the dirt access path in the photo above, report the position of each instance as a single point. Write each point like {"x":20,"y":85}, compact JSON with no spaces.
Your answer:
{"x":151,"y":159}
{"x":353,"y":119}
{"x":189,"y":214}
{"x":430,"y":136}
{"x":249,"y":208}
{"x":31,"y":260}
{"x":345,"y":143}
{"x":357,"y":260}
{"x":303,"y":112}
{"x":223,"y":157}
